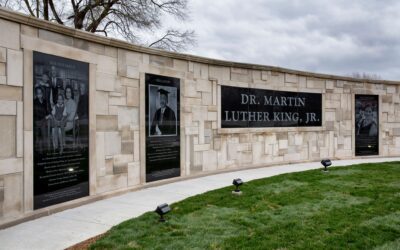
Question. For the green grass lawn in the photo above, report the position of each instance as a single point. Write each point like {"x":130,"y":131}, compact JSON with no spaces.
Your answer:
{"x":356,"y":207}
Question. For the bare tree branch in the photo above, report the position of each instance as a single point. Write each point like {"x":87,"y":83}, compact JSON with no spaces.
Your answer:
{"x":46,"y":9}
{"x":73,"y":4}
{"x":175,"y":40}
{"x":365,"y":75}
{"x":129,"y":19}
{"x":37,"y":8}
{"x":102,"y":31}
{"x":53,"y":10}
{"x":29,"y":8}
{"x":93,"y":26}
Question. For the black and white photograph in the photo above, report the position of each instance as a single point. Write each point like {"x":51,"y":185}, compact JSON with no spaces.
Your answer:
{"x":366,"y":124}
{"x":366,"y":118}
{"x":162,"y":110}
{"x":162,"y":127}
{"x":61,"y":129}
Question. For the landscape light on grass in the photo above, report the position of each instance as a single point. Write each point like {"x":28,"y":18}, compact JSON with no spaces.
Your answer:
{"x":237,"y":182}
{"x":162,"y":210}
{"x":326,"y":163}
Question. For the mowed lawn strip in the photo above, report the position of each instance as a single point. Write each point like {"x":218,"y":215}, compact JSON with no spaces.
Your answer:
{"x":354,"y":207}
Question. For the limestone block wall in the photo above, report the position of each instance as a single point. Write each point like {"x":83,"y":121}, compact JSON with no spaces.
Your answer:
{"x":11,"y":121}
{"x":117,"y":110}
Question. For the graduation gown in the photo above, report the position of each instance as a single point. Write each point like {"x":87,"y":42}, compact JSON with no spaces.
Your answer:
{"x":166,"y":122}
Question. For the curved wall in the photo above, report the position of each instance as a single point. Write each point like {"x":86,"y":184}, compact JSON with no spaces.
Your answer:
{"x":117,"y":110}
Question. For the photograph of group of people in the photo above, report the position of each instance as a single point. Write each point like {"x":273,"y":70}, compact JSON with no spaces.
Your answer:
{"x":367,"y":124}
{"x":60,"y":105}
{"x":367,"y":117}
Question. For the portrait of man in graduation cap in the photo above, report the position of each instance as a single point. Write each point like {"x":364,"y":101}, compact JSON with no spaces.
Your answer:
{"x":164,"y":120}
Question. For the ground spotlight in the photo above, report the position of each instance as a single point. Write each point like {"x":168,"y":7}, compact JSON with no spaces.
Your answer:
{"x":326,"y":163}
{"x":162,"y":210}
{"x":237,"y":182}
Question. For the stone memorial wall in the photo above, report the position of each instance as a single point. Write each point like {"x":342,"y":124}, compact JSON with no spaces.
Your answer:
{"x":287,"y":116}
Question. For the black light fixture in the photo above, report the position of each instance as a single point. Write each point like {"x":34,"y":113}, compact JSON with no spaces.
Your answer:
{"x":326,"y":163}
{"x":237,"y":182}
{"x":162,"y":210}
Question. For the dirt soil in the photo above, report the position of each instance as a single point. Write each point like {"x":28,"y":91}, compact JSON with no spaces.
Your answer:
{"x":85,"y":244}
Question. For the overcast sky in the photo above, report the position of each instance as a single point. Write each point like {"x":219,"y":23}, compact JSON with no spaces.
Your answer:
{"x":326,"y":36}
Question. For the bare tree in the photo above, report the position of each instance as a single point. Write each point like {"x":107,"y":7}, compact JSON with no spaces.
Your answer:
{"x":366,"y":76}
{"x":117,"y":18}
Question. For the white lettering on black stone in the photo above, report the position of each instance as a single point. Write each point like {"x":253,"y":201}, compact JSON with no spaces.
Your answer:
{"x":244,"y":107}
{"x":284,"y":101}
{"x":265,"y":116}
{"x":310,"y":117}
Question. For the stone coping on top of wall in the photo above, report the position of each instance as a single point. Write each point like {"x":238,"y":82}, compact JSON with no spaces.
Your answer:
{"x":58,"y":28}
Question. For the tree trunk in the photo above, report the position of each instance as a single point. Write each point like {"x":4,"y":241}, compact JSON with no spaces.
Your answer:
{"x":46,"y":9}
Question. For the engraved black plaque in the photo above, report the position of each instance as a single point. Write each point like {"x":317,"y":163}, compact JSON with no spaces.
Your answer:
{"x":247,"y":107}
{"x":162,"y":127}
{"x":60,"y":129}
{"x":367,"y":125}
